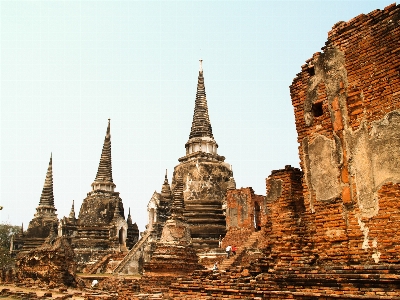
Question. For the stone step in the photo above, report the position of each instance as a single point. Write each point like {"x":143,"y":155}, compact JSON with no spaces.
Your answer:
{"x":203,"y":212}
{"x":201,"y":221}
{"x":203,"y":202}
{"x":252,"y":239}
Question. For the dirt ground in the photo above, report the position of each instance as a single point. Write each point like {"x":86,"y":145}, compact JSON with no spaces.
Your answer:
{"x":18,"y":292}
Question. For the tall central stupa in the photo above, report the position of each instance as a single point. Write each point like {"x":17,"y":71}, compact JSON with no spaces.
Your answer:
{"x":206,"y":177}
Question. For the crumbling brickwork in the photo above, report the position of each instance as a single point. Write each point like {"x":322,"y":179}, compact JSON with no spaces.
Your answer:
{"x":329,"y":230}
{"x":53,"y":262}
{"x":347,"y":109}
{"x":245,"y":213}
{"x":332,"y":228}
{"x":288,"y":240}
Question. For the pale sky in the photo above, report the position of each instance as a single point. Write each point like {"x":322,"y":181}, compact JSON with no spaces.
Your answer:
{"x":68,"y":66}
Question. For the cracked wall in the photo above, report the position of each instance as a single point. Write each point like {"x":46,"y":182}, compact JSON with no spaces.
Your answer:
{"x":347,"y":108}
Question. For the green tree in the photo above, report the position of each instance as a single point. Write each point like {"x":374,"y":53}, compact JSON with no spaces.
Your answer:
{"x":6,"y":231}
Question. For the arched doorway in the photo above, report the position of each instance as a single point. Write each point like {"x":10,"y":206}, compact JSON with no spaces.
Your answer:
{"x":257,"y":216}
{"x":121,"y":236}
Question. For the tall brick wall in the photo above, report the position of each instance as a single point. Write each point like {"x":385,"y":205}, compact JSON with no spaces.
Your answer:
{"x":331,"y":230}
{"x":286,"y":230}
{"x":346,"y":101}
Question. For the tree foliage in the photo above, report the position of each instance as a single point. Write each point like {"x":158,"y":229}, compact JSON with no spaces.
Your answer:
{"x":6,"y":231}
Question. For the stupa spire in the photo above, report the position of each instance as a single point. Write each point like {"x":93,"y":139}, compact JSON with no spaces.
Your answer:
{"x":47,"y":197}
{"x":46,"y":203}
{"x":129,"y":219}
{"x":201,"y":126}
{"x":104,"y":180}
{"x":201,"y":137}
{"x":72,"y":212}
{"x":166,"y":189}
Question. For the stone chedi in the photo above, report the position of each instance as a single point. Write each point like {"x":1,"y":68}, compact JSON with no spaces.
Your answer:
{"x":101,"y":227}
{"x":44,"y":221}
{"x":158,"y":208}
{"x":174,"y":254}
{"x":206,"y":177}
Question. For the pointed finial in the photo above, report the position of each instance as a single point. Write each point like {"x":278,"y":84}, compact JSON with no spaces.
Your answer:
{"x":166,"y":177}
{"x":104,"y":178}
{"x":201,"y":65}
{"x":129,"y":219}
{"x":47,"y":197}
{"x":72,"y":212}
{"x":108,"y":128}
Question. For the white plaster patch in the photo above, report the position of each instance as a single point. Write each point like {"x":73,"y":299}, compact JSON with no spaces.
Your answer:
{"x":376,"y":255}
{"x":365,"y":231}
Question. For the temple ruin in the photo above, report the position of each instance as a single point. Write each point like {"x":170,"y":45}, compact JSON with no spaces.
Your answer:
{"x":206,"y":179}
{"x":101,"y":230}
{"x":328,"y":230}
{"x":99,"y":234}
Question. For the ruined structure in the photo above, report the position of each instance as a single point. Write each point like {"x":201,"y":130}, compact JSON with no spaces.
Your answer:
{"x":331,"y":230}
{"x":174,"y":254}
{"x":101,"y":228}
{"x":43,"y":221}
{"x":52,"y":263}
{"x":206,"y":178}
{"x":326,"y":231}
{"x":347,"y":109}
{"x":205,"y":175}
{"x":158,"y":210}
{"x":244,"y":214}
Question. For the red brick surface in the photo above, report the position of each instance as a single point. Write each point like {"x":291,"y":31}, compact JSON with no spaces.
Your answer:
{"x":330,"y":235}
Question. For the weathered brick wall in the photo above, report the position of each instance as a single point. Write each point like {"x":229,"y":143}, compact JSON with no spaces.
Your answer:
{"x":347,"y":109}
{"x":286,"y":229}
{"x":244,"y":209}
{"x":245,"y":213}
{"x":331,"y":232}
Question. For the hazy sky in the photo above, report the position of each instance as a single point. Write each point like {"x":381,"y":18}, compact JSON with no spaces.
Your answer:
{"x":68,"y":66}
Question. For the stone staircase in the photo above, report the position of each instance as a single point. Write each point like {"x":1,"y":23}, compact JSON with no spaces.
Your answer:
{"x":109,"y":260}
{"x":131,"y":253}
{"x":241,"y":250}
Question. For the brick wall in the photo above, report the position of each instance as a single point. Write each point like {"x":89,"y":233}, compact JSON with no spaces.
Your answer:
{"x":346,"y":101}
{"x":286,"y":230}
{"x":245,"y":214}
